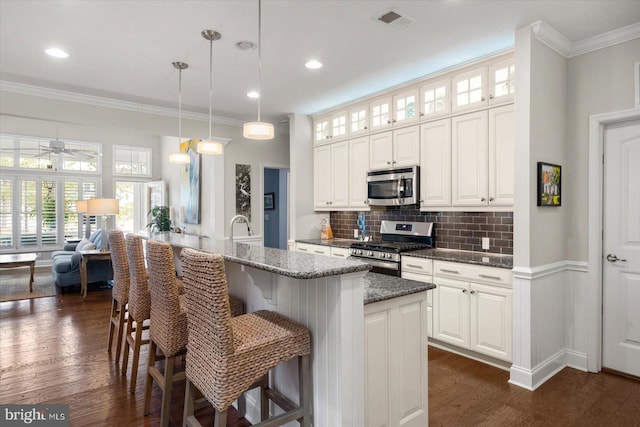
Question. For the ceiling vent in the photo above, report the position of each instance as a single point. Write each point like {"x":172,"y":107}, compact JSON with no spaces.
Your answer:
{"x":395,"y":19}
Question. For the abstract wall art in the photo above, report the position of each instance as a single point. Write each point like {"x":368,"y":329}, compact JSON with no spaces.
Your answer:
{"x":190,"y":182}
{"x":243,"y":190}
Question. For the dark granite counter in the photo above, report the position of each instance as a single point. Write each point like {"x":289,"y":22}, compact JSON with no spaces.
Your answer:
{"x":467,"y":257}
{"x":380,"y":287}
{"x":286,"y":263}
{"x":337,"y":243}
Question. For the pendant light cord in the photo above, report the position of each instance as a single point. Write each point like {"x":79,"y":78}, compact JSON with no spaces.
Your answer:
{"x":179,"y":106}
{"x":210,"y":82}
{"x":259,"y":55}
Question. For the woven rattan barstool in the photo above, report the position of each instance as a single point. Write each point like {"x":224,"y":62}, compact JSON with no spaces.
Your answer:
{"x":139,"y":306}
{"x":120,"y":290}
{"x":228,"y":356}
{"x":168,"y":328}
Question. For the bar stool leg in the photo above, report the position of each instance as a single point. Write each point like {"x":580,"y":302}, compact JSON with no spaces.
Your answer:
{"x":125,"y":356}
{"x":166,"y":392}
{"x":149,"y":383}
{"x":304,"y":383}
{"x":120,"y":331}
{"x":136,"y":357}
{"x":189,"y":407}
{"x":220,"y":419}
{"x":114,"y":313}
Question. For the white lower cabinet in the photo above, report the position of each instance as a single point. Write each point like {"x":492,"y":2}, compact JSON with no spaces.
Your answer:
{"x":472,"y":315}
{"x":396,"y":362}
{"x":314,"y":249}
{"x":339,"y":252}
{"x":420,"y":269}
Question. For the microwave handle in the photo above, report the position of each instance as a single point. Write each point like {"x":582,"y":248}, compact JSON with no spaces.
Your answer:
{"x":399,"y":188}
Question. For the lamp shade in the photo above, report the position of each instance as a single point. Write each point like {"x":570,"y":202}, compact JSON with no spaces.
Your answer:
{"x":103,"y":207}
{"x":179,"y":158}
{"x":258,"y":130}
{"x":81,"y":206}
{"x":209,"y":147}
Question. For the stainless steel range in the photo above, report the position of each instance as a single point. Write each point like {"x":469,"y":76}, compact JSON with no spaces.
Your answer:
{"x":396,"y":237}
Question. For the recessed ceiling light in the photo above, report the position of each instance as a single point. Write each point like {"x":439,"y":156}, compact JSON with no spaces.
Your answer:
{"x":56,"y":52}
{"x":245,"y":45}
{"x":253,"y":94}
{"x":313,"y":64}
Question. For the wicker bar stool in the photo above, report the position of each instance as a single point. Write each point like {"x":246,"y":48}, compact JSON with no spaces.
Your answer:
{"x":139,"y":306}
{"x":168,"y":328}
{"x":228,"y":356}
{"x":120,"y":290}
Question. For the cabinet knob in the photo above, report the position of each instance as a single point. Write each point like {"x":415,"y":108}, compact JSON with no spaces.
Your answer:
{"x":482,"y":199}
{"x":388,"y":163}
{"x":365,"y":128}
{"x":388,"y":122}
{"x":490,"y":96}
{"x":421,"y":114}
{"x":394,"y":120}
{"x":483,"y":99}
{"x":491,"y":199}
{"x":393,"y":162}
{"x":464,"y":291}
{"x":421,"y":201}
{"x":366,"y":202}
{"x":327,"y":137}
{"x":473,"y":292}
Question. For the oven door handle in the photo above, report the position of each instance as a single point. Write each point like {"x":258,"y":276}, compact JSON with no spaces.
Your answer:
{"x":374,"y":262}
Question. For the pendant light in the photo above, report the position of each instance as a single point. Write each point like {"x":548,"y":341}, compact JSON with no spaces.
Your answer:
{"x":259,"y":130}
{"x":210,"y":146}
{"x":180,"y":158}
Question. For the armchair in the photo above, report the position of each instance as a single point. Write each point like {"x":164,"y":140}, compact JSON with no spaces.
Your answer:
{"x":66,"y":265}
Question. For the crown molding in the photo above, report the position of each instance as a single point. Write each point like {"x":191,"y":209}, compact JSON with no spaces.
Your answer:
{"x":607,"y":39}
{"x":116,"y":104}
{"x":551,"y":37}
{"x":558,"y":42}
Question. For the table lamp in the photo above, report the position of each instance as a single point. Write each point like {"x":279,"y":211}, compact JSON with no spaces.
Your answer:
{"x":81,"y":208}
{"x":104,"y":208}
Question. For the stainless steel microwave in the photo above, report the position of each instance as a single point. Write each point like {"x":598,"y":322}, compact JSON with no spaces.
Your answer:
{"x":393,"y":187}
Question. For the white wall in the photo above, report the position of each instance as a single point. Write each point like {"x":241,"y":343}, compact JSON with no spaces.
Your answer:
{"x":599,"y":82}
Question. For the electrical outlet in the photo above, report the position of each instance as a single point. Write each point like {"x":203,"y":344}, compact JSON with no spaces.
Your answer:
{"x":485,"y":243}
{"x":355,"y":233}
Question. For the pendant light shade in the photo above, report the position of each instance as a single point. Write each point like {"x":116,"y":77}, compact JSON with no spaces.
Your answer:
{"x":259,"y":130}
{"x":180,"y":158}
{"x":210,"y":146}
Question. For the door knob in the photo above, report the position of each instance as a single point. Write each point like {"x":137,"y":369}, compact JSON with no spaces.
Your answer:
{"x":613,"y":258}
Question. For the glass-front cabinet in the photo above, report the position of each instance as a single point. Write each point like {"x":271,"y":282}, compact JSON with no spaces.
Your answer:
{"x":358,"y":119}
{"x":321,"y":129}
{"x":381,"y":113}
{"x":405,"y":106}
{"x":470,"y":89}
{"x":501,"y":85}
{"x":435,"y":99}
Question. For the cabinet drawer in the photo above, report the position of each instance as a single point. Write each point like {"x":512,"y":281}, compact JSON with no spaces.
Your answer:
{"x":416,"y":265}
{"x":314,"y":249}
{"x":340,"y":252}
{"x":473,"y":273}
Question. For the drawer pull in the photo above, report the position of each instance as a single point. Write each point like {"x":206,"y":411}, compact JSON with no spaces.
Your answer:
{"x":414,"y":266}
{"x":339,"y":255}
{"x":319,"y":252}
{"x":484,"y":276}
{"x":303,"y":249}
{"x":444,"y":270}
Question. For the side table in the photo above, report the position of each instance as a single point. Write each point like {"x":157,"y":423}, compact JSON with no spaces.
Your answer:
{"x":87,"y":256}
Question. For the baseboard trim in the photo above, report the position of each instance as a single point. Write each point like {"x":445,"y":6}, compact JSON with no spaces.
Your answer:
{"x":531,"y":379}
{"x":496,"y":363}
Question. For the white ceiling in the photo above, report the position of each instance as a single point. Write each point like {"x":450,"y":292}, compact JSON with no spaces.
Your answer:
{"x":124,"y":49}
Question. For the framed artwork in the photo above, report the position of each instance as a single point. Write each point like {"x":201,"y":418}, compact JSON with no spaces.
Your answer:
{"x":243,"y":190}
{"x":190,"y":182}
{"x":269,"y":201}
{"x":549,"y":181}
{"x":156,"y":194}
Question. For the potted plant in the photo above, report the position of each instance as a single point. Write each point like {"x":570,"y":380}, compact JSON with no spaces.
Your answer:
{"x":160,"y":218}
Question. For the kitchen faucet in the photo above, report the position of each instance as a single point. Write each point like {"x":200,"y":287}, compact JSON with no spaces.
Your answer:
{"x":240,"y":218}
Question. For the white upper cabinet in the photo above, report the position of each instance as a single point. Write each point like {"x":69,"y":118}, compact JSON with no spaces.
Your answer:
{"x":331,"y":127}
{"x":321,"y":129}
{"x":469,"y":152}
{"x":501,"y":82}
{"x":331,"y":172}
{"x":406,"y":106}
{"x":358,"y":167}
{"x":339,"y":125}
{"x":435,"y":163}
{"x":359,"y":119}
{"x":380,"y":113}
{"x":381,"y":150}
{"x":502,"y":136}
{"x":435,"y":99}
{"x":470,"y":90}
{"x":397,"y":148}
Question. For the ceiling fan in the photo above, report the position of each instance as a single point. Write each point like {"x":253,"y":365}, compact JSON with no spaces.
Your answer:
{"x":58,"y":147}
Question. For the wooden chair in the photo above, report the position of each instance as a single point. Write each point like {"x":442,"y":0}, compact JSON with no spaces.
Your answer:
{"x":229,"y":355}
{"x":120,"y":290}
{"x":139,"y":306}
{"x":168,"y":327}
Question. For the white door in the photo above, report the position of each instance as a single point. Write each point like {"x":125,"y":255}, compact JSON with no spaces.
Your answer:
{"x":621,"y":248}
{"x":358,"y":167}
{"x":469,"y":151}
{"x":435,"y":163}
{"x":502,"y":142}
{"x":322,"y":176}
{"x":491,"y":309}
{"x":451,"y":311}
{"x":406,"y":146}
{"x":339,"y":175}
{"x":381,"y":150}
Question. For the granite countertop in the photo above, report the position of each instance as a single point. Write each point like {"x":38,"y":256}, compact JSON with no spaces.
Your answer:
{"x":467,"y":257}
{"x":286,"y":263}
{"x":380,"y":287}
{"x":338,"y":243}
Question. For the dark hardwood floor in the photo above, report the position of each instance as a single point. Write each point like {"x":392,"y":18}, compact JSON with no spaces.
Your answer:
{"x":53,"y":350}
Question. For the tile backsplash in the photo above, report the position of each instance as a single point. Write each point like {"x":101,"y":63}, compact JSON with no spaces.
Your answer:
{"x":453,"y":230}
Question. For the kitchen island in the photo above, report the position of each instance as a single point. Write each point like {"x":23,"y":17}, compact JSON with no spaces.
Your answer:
{"x":356,"y":379}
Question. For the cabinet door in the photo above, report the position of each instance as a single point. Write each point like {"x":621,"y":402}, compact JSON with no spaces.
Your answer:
{"x":469,"y":153}
{"x":491,"y":309}
{"x":501,"y":81}
{"x":358,"y":167}
{"x":435,"y":164}
{"x":435,"y":99}
{"x":339,"y":125}
{"x":376,"y":364}
{"x":380,"y":113}
{"x":406,"y":146}
{"x":322,"y":177}
{"x":339,"y":175}
{"x":321,"y":130}
{"x":405,"y":106}
{"x":380,"y":150}
{"x":502,"y":135}
{"x":451,"y":311}
{"x":470,"y":90}
{"x":358,"y":119}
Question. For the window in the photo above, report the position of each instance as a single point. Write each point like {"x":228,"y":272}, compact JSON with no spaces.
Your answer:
{"x":133,"y":206}
{"x":26,"y":152}
{"x":39,"y":212}
{"x":131,"y":161}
